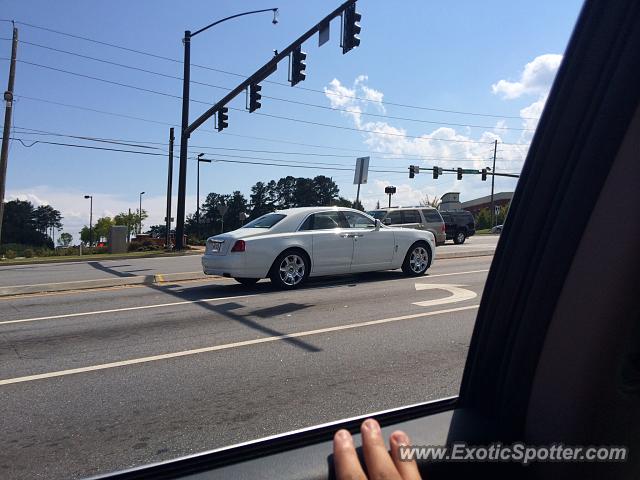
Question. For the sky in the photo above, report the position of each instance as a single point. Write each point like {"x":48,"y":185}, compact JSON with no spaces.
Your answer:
{"x":437,"y":83}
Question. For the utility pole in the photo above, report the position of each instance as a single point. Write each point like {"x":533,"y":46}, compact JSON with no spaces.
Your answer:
{"x":8,"y":112}
{"x":169,"y":184}
{"x":493,"y":177}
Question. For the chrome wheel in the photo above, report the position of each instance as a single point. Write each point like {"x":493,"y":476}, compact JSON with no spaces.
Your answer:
{"x":292,"y":269}
{"x":419,"y":259}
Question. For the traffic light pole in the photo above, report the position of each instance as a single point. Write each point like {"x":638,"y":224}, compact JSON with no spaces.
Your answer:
{"x":8,"y":112}
{"x":257,"y":77}
{"x":493,"y":178}
{"x":184,"y":143}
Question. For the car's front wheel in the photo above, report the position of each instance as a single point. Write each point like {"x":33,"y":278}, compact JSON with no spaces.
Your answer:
{"x":417,"y":260}
{"x":247,"y":282}
{"x":459,"y":238}
{"x":290,"y":270}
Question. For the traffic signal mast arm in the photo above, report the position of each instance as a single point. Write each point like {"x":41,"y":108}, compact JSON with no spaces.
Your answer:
{"x":268,"y":68}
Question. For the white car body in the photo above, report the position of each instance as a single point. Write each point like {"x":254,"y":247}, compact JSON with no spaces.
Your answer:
{"x":330,"y":251}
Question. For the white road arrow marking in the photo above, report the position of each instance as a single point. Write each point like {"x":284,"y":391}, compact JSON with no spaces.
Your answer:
{"x":458,"y":294}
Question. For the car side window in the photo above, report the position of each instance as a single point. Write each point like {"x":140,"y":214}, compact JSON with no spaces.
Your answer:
{"x":322,"y":221}
{"x":411,"y":216}
{"x":357,"y":220}
{"x":307,"y":224}
{"x":395,"y":216}
{"x":431,"y":216}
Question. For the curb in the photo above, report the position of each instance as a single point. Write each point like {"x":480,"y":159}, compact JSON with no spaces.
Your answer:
{"x":160,"y":279}
{"x":91,"y":258}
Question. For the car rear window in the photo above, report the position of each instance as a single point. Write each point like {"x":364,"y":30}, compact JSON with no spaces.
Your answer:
{"x":377,"y":214}
{"x":265,"y":221}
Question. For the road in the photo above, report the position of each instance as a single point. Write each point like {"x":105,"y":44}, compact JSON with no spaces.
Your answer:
{"x":11,"y":275}
{"x":99,"y":380}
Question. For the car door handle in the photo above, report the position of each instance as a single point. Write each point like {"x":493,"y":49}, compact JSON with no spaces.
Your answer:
{"x":347,"y":235}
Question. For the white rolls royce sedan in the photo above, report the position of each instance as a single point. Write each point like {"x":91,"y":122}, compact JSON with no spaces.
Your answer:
{"x":288,"y":246}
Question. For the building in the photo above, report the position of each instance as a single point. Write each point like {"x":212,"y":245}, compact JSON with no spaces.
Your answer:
{"x":450,"y":201}
{"x":500,"y":199}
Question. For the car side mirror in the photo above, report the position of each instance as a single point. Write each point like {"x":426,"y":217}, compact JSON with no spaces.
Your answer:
{"x":378,"y":224}
{"x":387,"y":221}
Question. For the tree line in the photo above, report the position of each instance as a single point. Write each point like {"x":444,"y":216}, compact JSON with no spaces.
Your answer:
{"x":25,"y":224}
{"x":265,"y":197}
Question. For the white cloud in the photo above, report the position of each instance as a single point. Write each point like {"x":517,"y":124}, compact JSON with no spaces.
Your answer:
{"x":536,"y":78}
{"x":75,"y":209}
{"x":459,"y":149}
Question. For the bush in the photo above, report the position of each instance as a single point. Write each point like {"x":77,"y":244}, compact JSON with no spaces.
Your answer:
{"x":28,"y":253}
{"x":10,"y":254}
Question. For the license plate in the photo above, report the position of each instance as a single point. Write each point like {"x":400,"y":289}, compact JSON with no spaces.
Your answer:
{"x":215,"y":246}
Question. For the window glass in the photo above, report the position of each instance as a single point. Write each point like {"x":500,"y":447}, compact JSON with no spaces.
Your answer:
{"x":432,"y":216}
{"x":326,"y":220}
{"x":357,"y":220}
{"x":265,"y":221}
{"x":396,"y":217}
{"x":379,"y":214}
{"x":411,"y":216}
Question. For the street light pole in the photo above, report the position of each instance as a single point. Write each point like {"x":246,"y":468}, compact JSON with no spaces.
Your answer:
{"x":200,"y":159}
{"x":493,"y":178}
{"x":184,"y":131}
{"x":90,"y":197}
{"x":140,"y":214}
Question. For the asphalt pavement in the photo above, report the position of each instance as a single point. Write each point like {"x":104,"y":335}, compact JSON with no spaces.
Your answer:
{"x":100,"y":380}
{"x":49,"y":273}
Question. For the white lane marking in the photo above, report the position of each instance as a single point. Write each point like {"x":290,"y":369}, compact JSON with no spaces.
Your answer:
{"x":125,"y":309}
{"x":456,"y":273}
{"x":143,"y":307}
{"x":196,"y":351}
{"x":458,"y":294}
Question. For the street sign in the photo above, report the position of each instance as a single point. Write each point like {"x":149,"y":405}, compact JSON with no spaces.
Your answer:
{"x":323,"y":34}
{"x":222,"y":209}
{"x":362,"y":171}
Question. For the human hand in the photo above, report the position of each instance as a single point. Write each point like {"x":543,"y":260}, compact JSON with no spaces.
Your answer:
{"x":380,"y":465}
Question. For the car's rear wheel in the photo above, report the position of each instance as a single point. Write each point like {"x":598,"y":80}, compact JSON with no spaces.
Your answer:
{"x":417,"y":260}
{"x":459,"y":238}
{"x":247,"y":282}
{"x":290,"y":270}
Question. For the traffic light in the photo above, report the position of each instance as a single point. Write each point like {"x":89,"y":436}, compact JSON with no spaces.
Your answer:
{"x":298,"y":66}
{"x":484,"y":174}
{"x":223,"y":118}
{"x":413,"y":169}
{"x":459,"y":174}
{"x":254,"y":97}
{"x":351,"y":28}
{"x":436,"y":172}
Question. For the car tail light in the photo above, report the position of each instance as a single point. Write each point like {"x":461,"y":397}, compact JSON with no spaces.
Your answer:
{"x":239,"y":246}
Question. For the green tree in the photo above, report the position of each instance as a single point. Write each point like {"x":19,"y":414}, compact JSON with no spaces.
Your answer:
{"x":18,"y":225}
{"x":262,"y":199}
{"x":342,"y":202}
{"x":286,"y":192}
{"x":237,"y":204}
{"x":131,"y":220}
{"x":483,"y":219}
{"x":65,"y":239}
{"x":428,"y":201}
{"x":304,"y":193}
{"x":325,"y":190}
{"x":357,"y":204}
{"x":157,"y":231}
{"x":210,"y":218}
{"x":101,"y":228}
{"x":45,"y":217}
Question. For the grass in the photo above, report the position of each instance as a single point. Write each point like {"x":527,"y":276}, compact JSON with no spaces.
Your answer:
{"x":484,"y":231}
{"x":97,"y":256}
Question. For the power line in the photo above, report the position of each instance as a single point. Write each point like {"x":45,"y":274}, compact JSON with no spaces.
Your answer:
{"x":280,"y":117}
{"x":137,"y":143}
{"x":173,"y":60}
{"x":307,"y":104}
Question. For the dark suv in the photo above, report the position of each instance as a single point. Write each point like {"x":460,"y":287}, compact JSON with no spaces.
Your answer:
{"x":459,"y":225}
